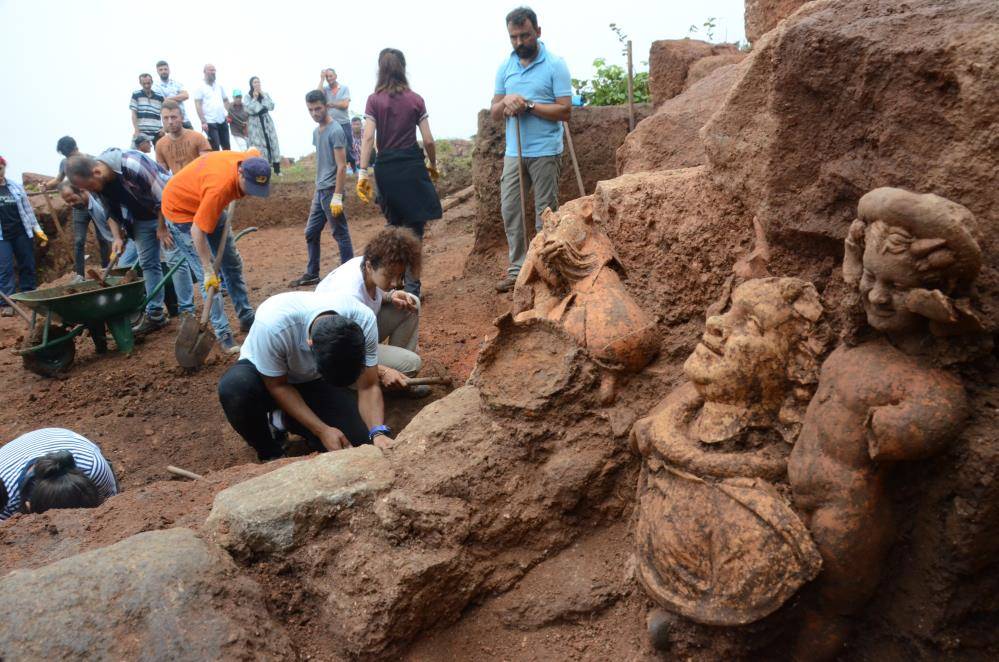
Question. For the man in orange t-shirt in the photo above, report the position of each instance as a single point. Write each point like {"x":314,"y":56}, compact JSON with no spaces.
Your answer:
{"x":195,"y":199}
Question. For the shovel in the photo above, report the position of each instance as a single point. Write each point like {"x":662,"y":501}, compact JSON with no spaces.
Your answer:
{"x":101,"y":278}
{"x":195,"y":340}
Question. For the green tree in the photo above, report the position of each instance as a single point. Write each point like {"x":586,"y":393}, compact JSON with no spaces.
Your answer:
{"x":609,"y":85}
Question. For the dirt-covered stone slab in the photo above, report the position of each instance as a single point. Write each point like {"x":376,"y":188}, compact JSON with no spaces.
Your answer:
{"x":162,"y":595}
{"x":275,"y":512}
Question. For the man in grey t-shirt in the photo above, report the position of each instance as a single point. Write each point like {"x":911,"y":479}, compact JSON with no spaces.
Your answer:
{"x":338,"y":106}
{"x":327,"y":203}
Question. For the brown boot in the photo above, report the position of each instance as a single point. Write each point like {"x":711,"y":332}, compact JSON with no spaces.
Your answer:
{"x":506,"y":284}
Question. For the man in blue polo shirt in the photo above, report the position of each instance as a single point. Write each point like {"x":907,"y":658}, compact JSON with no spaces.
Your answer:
{"x":534,"y":85}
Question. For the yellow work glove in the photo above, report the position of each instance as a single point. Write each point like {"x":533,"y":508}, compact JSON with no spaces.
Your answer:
{"x":364,"y":189}
{"x":434,"y":175}
{"x":212,"y":281}
{"x":42,"y":237}
{"x":336,"y":204}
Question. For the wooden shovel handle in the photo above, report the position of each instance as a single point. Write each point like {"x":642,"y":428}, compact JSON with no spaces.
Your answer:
{"x":215,"y":268}
{"x":17,"y":308}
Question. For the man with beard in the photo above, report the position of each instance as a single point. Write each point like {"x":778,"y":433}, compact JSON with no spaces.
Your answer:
{"x":534,"y":85}
{"x":171,"y":90}
{"x":145,"y":106}
{"x":130,"y":187}
{"x":213,"y":106}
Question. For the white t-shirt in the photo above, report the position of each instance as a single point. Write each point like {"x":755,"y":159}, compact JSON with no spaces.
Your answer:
{"x":349,"y":279}
{"x":278,"y":342}
{"x":212,"y":105}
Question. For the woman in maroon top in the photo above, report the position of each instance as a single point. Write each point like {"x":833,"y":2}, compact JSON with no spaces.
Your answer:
{"x":406,"y":193}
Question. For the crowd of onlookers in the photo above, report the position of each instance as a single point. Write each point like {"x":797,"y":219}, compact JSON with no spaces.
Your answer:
{"x":314,"y":363}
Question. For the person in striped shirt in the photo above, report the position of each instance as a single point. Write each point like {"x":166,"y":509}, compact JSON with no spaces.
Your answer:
{"x":53,"y":468}
{"x":145,"y":106}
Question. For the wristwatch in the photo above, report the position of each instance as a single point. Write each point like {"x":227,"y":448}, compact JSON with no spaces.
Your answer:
{"x":379,"y":430}
{"x":530,"y":106}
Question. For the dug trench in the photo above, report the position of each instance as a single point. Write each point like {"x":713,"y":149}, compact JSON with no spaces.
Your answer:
{"x":147,"y":413}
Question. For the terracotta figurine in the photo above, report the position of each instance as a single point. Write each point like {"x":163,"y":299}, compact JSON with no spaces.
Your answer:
{"x":572,"y":276}
{"x":913,"y":259}
{"x":717,"y":542}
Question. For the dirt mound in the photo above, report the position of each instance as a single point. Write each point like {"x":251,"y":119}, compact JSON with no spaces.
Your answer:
{"x":670,"y":138}
{"x":597,"y":132}
{"x":670,"y":61}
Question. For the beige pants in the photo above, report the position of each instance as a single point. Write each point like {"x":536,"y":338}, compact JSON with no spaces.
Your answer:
{"x":401,"y":328}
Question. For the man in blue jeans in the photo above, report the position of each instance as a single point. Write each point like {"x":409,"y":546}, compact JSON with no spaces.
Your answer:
{"x":130,"y":186}
{"x":184,"y":287}
{"x":195,"y":201}
{"x":327,"y":204}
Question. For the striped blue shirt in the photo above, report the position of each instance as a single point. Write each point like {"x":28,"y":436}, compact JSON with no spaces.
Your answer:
{"x":147,"y":111}
{"x":17,"y":454}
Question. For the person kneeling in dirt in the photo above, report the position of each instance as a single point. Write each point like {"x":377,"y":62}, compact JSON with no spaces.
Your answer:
{"x":371,"y":279}
{"x":302,"y":353}
{"x":53,"y":468}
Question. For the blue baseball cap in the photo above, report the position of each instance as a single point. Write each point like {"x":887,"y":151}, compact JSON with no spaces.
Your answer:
{"x":256,"y":173}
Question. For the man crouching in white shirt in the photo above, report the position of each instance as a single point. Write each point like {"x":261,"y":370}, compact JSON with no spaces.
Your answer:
{"x":302,"y":353}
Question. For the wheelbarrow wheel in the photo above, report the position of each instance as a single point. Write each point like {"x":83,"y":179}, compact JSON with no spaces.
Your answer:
{"x":54,"y":360}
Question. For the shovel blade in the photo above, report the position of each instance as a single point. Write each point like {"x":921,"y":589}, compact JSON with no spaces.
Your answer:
{"x":193,"y":343}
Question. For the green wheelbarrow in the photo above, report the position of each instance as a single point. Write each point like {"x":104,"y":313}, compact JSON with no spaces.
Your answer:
{"x":59,"y":314}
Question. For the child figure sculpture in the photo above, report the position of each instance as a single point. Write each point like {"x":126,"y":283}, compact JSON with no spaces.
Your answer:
{"x":913,"y":261}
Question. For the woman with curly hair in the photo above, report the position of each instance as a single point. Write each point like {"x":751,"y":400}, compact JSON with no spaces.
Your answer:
{"x":372,"y":279}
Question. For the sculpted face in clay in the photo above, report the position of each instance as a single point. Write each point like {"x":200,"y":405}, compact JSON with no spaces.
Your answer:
{"x":751,"y":357}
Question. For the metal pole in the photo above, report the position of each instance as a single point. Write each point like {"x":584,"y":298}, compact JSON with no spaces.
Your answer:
{"x":528,"y":226}
{"x":631,"y":93}
{"x":575,"y":163}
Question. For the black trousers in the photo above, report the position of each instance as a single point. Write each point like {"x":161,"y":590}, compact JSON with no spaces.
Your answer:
{"x":246,"y":403}
{"x":218,"y":136}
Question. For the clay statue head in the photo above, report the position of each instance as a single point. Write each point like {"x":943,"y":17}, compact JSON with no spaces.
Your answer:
{"x":910,"y":257}
{"x":757,"y":363}
{"x":570,"y":246}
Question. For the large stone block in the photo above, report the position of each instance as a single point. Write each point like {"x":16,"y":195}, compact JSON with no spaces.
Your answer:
{"x":670,"y":138}
{"x":670,"y":61}
{"x":275,"y":512}
{"x":844,"y":97}
{"x":162,"y":595}
{"x":762,"y":16}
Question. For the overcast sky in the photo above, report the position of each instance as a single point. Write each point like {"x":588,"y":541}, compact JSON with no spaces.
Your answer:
{"x":69,"y":67}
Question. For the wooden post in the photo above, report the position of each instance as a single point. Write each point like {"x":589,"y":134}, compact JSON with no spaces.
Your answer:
{"x":528,"y":223}
{"x":631,"y":93}
{"x":575,"y":163}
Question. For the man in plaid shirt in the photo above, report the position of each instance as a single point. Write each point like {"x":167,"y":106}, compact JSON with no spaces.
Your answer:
{"x":130,"y":185}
